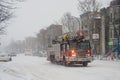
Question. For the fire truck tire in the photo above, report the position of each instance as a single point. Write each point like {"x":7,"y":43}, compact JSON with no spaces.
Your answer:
{"x":85,"y":64}
{"x":52,"y":58}
{"x":64,"y":60}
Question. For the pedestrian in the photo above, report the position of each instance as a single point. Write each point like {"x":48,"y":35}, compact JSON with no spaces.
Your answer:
{"x":112,"y":56}
{"x":116,"y":51}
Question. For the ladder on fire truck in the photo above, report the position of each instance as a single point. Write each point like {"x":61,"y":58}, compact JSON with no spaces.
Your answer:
{"x":70,"y":36}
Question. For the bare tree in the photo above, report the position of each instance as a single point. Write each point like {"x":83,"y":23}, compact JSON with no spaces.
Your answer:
{"x":67,"y":22}
{"x":70,"y":23}
{"x":6,"y":12}
{"x":88,"y":5}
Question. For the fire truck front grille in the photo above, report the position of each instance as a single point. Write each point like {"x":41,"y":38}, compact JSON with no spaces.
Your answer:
{"x":82,"y":53}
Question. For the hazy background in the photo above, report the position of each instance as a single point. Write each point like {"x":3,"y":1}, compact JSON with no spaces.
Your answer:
{"x":32,"y":15}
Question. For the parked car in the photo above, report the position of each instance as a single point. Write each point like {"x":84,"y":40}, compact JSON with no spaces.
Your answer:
{"x":5,"y":58}
{"x":12,"y":54}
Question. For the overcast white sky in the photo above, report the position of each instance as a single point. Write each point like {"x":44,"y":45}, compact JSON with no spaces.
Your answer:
{"x":36,"y":14}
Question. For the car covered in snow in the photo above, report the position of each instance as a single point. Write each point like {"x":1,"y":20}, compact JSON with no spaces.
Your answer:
{"x":5,"y":57}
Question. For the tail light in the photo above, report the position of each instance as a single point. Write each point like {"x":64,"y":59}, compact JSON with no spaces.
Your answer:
{"x":88,"y":52}
{"x":73,"y":53}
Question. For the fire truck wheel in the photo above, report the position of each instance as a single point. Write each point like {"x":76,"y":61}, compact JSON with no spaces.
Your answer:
{"x":85,"y":64}
{"x":52,"y":58}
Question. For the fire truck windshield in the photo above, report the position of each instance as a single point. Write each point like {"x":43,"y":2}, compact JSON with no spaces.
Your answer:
{"x":85,"y":45}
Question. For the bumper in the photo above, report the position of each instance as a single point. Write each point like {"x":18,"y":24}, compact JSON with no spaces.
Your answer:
{"x":74,"y":59}
{"x":5,"y":59}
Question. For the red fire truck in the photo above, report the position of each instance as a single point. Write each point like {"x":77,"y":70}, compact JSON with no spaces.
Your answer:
{"x":70,"y":49}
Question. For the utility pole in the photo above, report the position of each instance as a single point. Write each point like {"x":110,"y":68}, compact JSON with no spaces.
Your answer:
{"x":103,"y":35}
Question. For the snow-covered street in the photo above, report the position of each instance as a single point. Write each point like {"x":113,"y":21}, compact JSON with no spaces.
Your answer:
{"x":36,"y":68}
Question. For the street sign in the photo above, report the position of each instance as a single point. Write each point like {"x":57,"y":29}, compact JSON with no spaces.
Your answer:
{"x":110,"y":43}
{"x":95,"y":36}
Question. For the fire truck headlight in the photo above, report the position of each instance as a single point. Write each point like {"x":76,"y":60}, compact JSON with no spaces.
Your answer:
{"x":88,"y":53}
{"x":73,"y":53}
